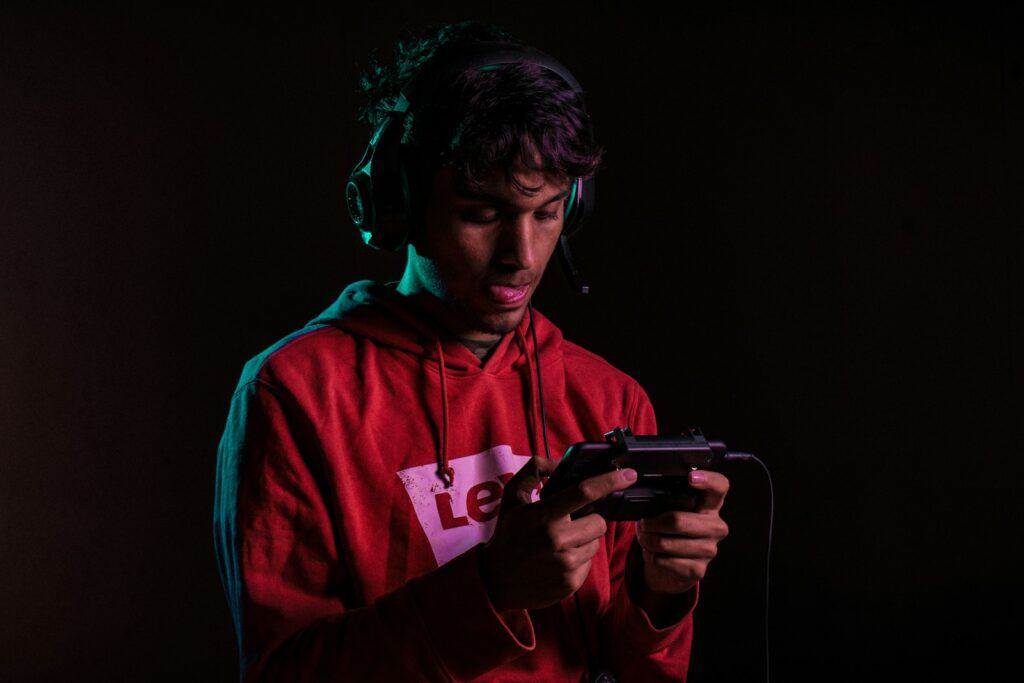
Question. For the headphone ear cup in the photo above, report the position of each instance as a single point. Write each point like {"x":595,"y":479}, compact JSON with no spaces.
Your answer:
{"x":359,"y":193}
{"x":359,"y":201}
{"x":377,"y":192}
{"x":580,"y":206}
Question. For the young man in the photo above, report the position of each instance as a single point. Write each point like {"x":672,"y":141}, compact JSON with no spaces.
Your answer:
{"x":376,"y":512}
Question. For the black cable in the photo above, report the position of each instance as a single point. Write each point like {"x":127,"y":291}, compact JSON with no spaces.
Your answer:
{"x":591,"y":662}
{"x":583,"y":632}
{"x":730,"y":457}
{"x":540,"y":387}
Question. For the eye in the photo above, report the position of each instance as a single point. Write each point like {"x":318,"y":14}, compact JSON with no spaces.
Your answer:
{"x":481,"y":220}
{"x":487,"y":220}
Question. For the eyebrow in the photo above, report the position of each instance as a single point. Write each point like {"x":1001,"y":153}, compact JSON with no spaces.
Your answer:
{"x":501,"y":201}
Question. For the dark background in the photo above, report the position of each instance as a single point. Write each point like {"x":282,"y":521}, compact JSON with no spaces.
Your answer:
{"x":808,"y":241}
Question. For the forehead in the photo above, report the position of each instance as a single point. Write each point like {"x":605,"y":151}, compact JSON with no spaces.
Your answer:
{"x":496,"y":186}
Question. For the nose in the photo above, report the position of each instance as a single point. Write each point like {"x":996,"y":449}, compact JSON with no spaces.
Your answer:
{"x":517,"y":242}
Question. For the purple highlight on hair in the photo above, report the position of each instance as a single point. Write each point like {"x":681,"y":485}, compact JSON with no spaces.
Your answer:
{"x":484,"y":120}
{"x":517,"y":113}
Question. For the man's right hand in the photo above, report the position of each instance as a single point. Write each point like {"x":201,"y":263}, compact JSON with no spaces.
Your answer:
{"x":538,"y":555}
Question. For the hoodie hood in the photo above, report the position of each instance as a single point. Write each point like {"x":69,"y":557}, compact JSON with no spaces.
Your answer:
{"x":379,"y":312}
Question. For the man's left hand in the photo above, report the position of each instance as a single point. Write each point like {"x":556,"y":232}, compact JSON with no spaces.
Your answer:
{"x":677,"y":546}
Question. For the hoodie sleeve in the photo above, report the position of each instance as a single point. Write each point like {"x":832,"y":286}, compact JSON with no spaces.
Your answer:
{"x":280,"y":568}
{"x":637,"y":649}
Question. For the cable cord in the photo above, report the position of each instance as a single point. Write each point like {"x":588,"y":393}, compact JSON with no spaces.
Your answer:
{"x":733,"y":457}
{"x":588,"y":653}
{"x":729,"y":457}
{"x":540,"y":386}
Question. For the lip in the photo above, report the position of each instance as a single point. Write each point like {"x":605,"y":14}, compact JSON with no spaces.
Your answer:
{"x":507,"y":294}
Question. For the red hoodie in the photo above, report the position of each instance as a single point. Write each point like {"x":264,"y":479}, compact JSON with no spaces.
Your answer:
{"x":343,"y":554}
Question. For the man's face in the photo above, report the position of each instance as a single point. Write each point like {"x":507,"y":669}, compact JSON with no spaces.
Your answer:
{"x":482,"y":256}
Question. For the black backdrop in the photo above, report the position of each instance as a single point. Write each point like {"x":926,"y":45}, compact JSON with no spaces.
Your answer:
{"x":807,"y":241}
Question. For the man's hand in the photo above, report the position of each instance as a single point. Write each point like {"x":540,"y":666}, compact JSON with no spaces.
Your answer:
{"x":538,"y":555}
{"x":677,"y":546}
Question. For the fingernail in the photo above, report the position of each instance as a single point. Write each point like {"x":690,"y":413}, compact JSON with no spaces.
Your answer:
{"x":698,"y":477}
{"x":629,"y":474}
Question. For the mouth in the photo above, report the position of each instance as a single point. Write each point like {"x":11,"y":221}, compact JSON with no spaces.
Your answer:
{"x":507,"y":294}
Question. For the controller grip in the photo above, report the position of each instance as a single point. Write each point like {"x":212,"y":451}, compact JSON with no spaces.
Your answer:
{"x":640,"y":501}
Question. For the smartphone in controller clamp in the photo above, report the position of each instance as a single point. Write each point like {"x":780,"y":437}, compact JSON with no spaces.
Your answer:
{"x":663,"y":465}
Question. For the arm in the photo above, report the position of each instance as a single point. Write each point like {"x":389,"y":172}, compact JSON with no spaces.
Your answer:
{"x":289,"y":592}
{"x":647,"y":634}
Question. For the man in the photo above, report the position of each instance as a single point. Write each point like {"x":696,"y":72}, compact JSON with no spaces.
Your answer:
{"x":376,"y":511}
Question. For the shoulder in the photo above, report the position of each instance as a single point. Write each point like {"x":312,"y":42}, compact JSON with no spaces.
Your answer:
{"x":588,"y":371}
{"x":305,"y":354}
{"x":592,"y":380}
{"x":586,"y":363}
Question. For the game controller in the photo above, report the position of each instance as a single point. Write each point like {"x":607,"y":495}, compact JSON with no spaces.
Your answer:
{"x":663,"y":465}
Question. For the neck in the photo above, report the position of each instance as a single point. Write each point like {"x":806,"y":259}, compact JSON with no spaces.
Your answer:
{"x":444,"y":316}
{"x":481,"y":349}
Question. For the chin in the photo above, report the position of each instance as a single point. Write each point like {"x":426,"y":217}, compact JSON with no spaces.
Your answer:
{"x":501,"y":322}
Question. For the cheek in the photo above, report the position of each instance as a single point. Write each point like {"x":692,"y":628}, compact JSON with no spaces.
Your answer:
{"x":458,"y":256}
{"x":468,"y":251}
{"x":553,"y":243}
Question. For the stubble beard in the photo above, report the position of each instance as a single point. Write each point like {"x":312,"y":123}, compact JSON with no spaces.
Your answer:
{"x":495,"y":323}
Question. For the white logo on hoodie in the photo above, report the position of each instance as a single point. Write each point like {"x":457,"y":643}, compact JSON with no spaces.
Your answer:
{"x":457,"y":518}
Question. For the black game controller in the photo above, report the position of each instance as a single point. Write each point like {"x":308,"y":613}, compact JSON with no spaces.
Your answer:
{"x":663,"y":465}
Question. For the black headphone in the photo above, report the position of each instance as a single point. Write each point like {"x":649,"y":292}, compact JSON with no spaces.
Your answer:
{"x":378,"y":193}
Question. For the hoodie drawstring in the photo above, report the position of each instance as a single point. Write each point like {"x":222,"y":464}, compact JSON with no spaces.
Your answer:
{"x":540,"y":385}
{"x":532,"y":412}
{"x":444,"y":471}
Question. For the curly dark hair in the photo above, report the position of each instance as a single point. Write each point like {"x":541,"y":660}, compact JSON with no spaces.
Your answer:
{"x":483,"y":120}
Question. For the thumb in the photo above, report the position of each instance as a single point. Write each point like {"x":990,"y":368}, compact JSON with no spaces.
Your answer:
{"x":519,"y":489}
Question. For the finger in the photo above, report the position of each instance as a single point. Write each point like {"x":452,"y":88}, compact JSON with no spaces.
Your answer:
{"x":714,"y":485}
{"x":678,"y":546}
{"x":573,"y":533}
{"x":587,"y":491}
{"x":684,"y":571}
{"x":575,"y":557}
{"x":590,"y":549}
{"x":579,"y":577}
{"x":519,"y":489}
{"x":682,"y":523}
{"x":567,"y":581}
{"x":572,"y":572}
